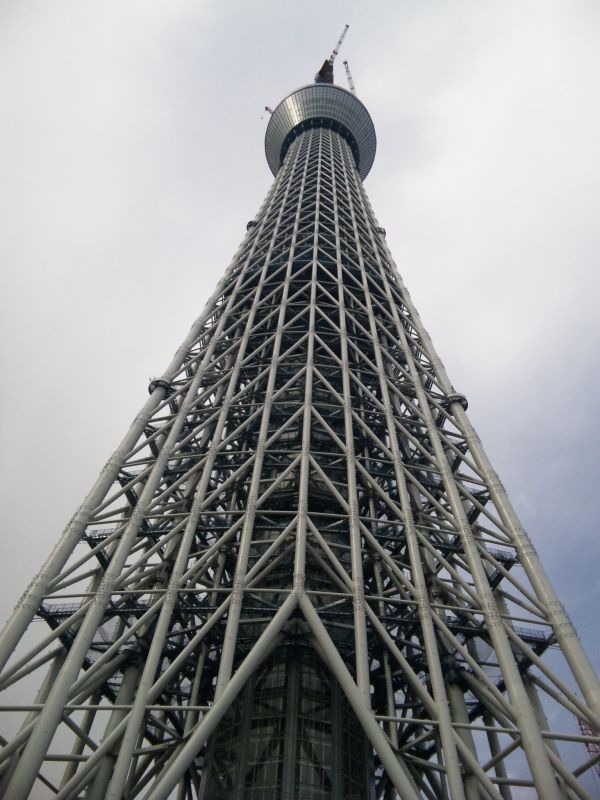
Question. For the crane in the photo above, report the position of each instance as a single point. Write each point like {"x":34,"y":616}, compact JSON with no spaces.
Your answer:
{"x":325,"y":74}
{"x":349,"y":76}
{"x":336,"y":49}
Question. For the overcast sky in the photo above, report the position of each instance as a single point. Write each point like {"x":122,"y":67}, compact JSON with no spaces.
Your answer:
{"x":132,"y":156}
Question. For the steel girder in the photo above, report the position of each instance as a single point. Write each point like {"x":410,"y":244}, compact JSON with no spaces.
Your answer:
{"x":302,"y":495}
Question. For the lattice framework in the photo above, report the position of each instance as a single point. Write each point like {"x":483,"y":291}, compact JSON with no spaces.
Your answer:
{"x":303,"y":479}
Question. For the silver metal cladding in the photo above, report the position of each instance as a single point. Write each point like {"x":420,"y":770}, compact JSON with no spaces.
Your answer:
{"x":321,"y":105}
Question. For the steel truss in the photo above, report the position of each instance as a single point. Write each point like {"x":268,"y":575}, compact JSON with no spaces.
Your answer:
{"x":303,"y":496}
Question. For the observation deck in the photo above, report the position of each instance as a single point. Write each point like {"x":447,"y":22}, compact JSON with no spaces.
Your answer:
{"x":321,"y":105}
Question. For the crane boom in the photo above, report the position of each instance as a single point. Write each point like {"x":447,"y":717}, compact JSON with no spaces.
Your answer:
{"x":349,"y":76}
{"x":336,"y":49}
{"x":325,"y":74}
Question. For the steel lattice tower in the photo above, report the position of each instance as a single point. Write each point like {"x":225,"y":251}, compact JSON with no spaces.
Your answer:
{"x":299,"y":577}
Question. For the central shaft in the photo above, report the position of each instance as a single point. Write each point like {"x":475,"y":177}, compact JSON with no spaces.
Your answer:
{"x":291,"y":733}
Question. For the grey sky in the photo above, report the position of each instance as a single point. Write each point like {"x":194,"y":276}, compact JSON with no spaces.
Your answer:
{"x":132,"y":157}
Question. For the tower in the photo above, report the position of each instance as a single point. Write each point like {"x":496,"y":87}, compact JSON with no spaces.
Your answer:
{"x":299,"y":576}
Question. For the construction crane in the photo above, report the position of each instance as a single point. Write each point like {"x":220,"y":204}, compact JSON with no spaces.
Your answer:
{"x":325,"y":74}
{"x":336,"y":49}
{"x":349,"y":76}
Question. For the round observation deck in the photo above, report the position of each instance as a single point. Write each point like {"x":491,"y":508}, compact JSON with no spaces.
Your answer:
{"x":321,"y":105}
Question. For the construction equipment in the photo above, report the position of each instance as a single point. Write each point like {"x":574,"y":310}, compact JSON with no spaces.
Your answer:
{"x":349,"y":77}
{"x":325,"y":74}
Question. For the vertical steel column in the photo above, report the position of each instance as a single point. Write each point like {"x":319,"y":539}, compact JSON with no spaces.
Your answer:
{"x":495,"y":750}
{"x":299,"y":578}
{"x":459,"y":714}
{"x":389,"y":689}
{"x":79,"y":744}
{"x":231,"y":631}
{"x":290,"y":736}
{"x":424,"y":609}
{"x":358,"y":583}
{"x":97,"y":788}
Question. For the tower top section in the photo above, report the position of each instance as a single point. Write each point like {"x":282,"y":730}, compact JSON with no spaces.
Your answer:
{"x":321,"y":105}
